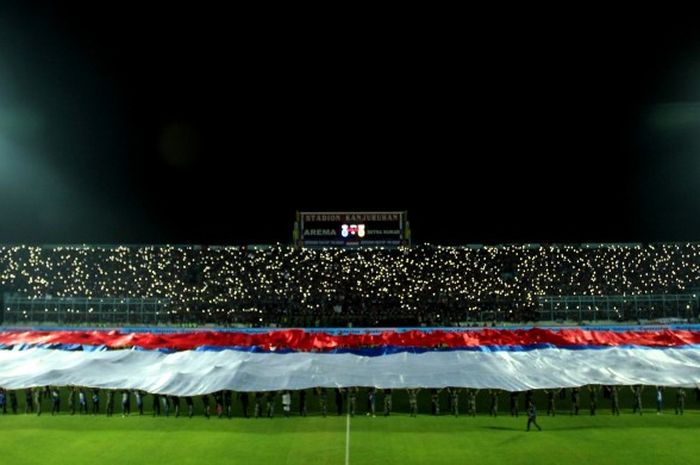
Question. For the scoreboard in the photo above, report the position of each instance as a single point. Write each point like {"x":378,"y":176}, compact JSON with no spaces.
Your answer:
{"x":351,"y":229}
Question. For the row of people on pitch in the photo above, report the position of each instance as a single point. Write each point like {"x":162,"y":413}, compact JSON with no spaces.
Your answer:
{"x":88,"y":400}
{"x":265,"y":401}
{"x":611,"y":392}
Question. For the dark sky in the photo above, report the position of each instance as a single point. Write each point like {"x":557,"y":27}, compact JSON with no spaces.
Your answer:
{"x":129,"y":124}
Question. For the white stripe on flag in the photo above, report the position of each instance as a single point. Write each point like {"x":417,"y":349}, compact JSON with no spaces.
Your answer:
{"x":194,"y":373}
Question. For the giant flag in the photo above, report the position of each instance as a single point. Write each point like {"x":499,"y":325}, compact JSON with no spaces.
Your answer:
{"x":199,"y":362}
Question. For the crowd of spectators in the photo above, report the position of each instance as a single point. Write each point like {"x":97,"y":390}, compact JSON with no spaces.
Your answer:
{"x":287,"y":286}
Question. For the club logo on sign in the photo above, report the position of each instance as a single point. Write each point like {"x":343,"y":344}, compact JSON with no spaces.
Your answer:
{"x":352,"y":230}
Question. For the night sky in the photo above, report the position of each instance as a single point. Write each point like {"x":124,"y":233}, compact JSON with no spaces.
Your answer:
{"x":120,"y":124}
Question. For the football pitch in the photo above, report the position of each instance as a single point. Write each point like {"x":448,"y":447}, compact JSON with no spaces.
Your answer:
{"x":397,"y":439}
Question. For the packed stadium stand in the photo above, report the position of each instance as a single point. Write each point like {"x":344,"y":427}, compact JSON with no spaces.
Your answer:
{"x":296,"y":287}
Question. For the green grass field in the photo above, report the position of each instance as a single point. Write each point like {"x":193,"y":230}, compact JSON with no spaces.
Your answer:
{"x":398,"y":439}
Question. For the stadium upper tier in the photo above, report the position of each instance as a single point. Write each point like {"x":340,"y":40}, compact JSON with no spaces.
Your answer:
{"x":289,"y":286}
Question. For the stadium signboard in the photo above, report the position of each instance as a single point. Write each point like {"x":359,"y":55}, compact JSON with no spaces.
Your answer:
{"x":351,"y":229}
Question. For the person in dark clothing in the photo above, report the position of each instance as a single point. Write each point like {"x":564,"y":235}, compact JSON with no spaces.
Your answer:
{"x":302,"y":402}
{"x":371,"y":401}
{"x":435,"y":401}
{"x":387,"y":402}
{"x":413,"y":401}
{"x":659,"y":400}
{"x":176,"y":405}
{"x":219,"y":402}
{"x":575,"y":401}
{"x":37,"y":401}
{"x":551,"y":395}
{"x":71,"y":399}
{"x":190,"y":406}
{"x":271,"y":397}
{"x":205,"y":404}
{"x":110,"y":402}
{"x":126,"y":403}
{"x":259,"y":399}
{"x":532,"y":416}
{"x":322,"y":400}
{"x":243,"y":397}
{"x":493,"y":410}
{"x":13,"y":402}
{"x":680,"y":401}
{"x":593,"y":390}
{"x":352,"y":399}
{"x":339,"y":400}
{"x":615,"y":400}
{"x":453,"y":397}
{"x":28,"y":402}
{"x":55,"y":401}
{"x":95,"y":401}
{"x":228,"y":408}
{"x":471,"y":402}
{"x":637,"y":392}
{"x":165,"y":400}
{"x":514,"y":404}
{"x":139,"y":400}
{"x":156,"y":405}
